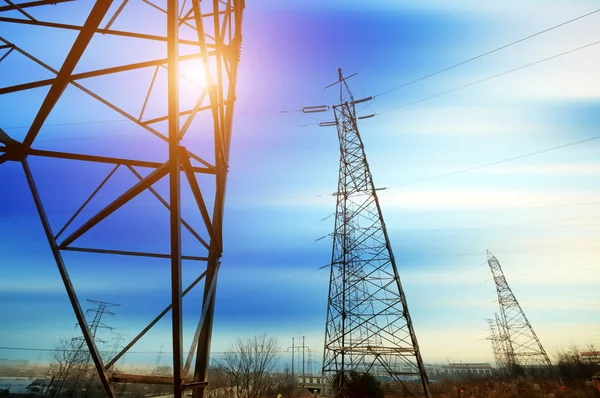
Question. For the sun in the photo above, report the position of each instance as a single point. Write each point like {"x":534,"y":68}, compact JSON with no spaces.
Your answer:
{"x":193,"y":71}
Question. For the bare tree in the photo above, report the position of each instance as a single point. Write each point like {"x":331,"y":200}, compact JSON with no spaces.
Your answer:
{"x":248,"y":364}
{"x":573,"y":367}
{"x":70,"y":359}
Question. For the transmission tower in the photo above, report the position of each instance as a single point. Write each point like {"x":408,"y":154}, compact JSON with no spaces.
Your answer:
{"x":522,"y":346}
{"x":497,"y":342}
{"x":118,"y":339}
{"x":132,"y":54}
{"x":368,"y":327}
{"x":99,"y":311}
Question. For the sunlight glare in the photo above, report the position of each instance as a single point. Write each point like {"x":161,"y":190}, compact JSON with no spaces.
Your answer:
{"x":193,"y":72}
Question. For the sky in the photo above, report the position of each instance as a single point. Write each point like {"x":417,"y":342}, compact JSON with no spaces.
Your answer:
{"x":537,"y":214}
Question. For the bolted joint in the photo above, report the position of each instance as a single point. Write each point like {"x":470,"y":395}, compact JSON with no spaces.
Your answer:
{"x":13,"y":149}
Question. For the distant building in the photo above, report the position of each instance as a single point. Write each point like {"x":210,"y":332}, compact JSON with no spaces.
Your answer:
{"x":308,"y":379}
{"x":310,"y":382}
{"x":465,"y":370}
{"x":590,"y":356}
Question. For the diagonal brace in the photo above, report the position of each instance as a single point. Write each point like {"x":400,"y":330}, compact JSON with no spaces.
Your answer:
{"x":137,"y":189}
{"x":189,"y":173}
{"x":64,"y":75}
{"x":79,"y":314}
{"x":164,"y":202}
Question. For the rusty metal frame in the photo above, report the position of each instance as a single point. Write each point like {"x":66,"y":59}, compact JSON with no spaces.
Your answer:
{"x":218,"y":25}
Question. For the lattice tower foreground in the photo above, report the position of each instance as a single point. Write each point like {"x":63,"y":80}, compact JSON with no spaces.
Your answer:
{"x":135,"y":62}
{"x":368,"y":327}
{"x":521,"y":344}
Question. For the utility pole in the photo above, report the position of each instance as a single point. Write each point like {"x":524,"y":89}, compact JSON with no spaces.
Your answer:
{"x":293,"y":348}
{"x":523,"y":349}
{"x":303,"y":374}
{"x":368,"y":327}
{"x":298,"y":348}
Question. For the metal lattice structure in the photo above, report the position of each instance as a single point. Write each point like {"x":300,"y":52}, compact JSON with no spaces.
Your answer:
{"x":497,"y":342}
{"x":368,"y":327}
{"x":521,"y":344}
{"x":204,"y":33}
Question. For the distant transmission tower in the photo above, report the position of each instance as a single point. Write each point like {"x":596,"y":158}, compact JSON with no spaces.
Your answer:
{"x":368,"y":327}
{"x":118,"y":339}
{"x":497,"y":343}
{"x":100,"y":309}
{"x":523,"y":348}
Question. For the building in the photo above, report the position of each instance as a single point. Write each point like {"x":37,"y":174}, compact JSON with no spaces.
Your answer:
{"x":590,"y":357}
{"x":464,"y":370}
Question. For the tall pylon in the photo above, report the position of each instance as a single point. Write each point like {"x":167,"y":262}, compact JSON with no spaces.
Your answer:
{"x":368,"y":327}
{"x":497,"y":343}
{"x":168,"y":71}
{"x":523,"y":348}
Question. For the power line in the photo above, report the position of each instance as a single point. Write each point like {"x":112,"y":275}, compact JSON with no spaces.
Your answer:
{"x":62,"y":124}
{"x":128,"y":352}
{"x":489,"y":78}
{"x":486,"y":53}
{"x":481,"y":166}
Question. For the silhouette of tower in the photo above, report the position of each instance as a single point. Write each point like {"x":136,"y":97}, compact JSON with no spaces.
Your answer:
{"x":522,"y":346}
{"x":497,"y":343}
{"x":368,"y":327}
{"x":168,"y":70}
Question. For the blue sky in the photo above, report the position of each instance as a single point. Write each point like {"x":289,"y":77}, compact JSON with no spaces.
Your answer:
{"x":537,"y":214}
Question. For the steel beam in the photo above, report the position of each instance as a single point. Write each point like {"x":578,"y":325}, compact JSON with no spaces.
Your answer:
{"x":104,"y":31}
{"x":33,"y":4}
{"x":85,"y":203}
{"x":129,"y":253}
{"x":64,"y":75}
{"x":107,"y":160}
{"x":164,"y":202}
{"x":79,"y":314}
{"x":152,"y":323}
{"x":93,"y":73}
{"x":205,"y":309}
{"x":138,"y":188}
{"x":175,"y":192}
{"x":187,"y":168}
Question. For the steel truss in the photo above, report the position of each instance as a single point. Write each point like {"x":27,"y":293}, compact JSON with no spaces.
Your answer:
{"x":497,"y":340}
{"x":212,"y":28}
{"x":520,"y":343}
{"x":368,"y":327}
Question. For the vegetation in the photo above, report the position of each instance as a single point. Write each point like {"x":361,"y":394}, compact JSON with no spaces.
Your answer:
{"x":357,"y":385}
{"x":573,"y":368}
{"x":247,"y":367}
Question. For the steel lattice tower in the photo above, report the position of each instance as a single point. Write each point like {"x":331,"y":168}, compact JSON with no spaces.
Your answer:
{"x":368,"y":327}
{"x":521,"y":344}
{"x":193,"y":131}
{"x":497,"y":342}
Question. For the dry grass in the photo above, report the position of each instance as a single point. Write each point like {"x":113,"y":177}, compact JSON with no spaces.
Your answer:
{"x":512,"y":389}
